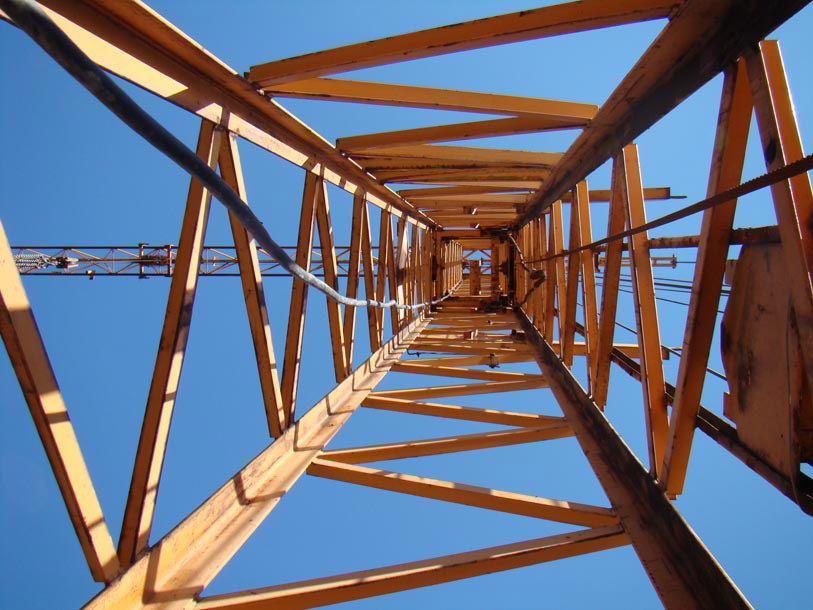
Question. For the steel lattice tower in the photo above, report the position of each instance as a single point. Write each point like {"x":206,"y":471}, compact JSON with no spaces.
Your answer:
{"x":494,"y":263}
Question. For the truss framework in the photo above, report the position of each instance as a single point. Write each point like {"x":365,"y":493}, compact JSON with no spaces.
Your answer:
{"x":519,"y":304}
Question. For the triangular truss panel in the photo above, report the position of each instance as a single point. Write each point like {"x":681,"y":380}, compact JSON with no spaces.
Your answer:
{"x":476,"y":311}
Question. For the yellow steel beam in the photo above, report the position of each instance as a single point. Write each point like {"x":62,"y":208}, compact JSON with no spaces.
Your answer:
{"x":646,"y":313}
{"x":181,"y":564}
{"x":393,"y":280}
{"x":471,"y":360}
{"x":464,"y":348}
{"x":488,"y":416}
{"x":299,"y":297}
{"x":733,"y":122}
{"x":441,"y":175}
{"x":572,"y":290}
{"x":604,"y":195}
{"x":538,"y":251}
{"x":500,"y":201}
{"x":513,"y":27}
{"x":531,"y":382}
{"x":609,"y":290}
{"x":473,"y":181}
{"x":788,"y":130}
{"x":443,"y":192}
{"x":551,"y":287}
{"x":358,"y":585}
{"x":582,"y":208}
{"x":492,"y":193}
{"x":253,"y":292}
{"x":330,"y":266}
{"x":373,"y":324}
{"x":33,"y":368}
{"x":452,"y":371}
{"x":332,"y":89}
{"x":470,"y":495}
{"x":451,"y":342}
{"x":149,"y":460}
{"x":416,"y":165}
{"x":384,"y":254}
{"x":413,"y":269}
{"x":450,"y":444}
{"x":464,"y":154}
{"x":401,"y":260}
{"x":353,"y":269}
{"x":457,"y":132}
{"x":558,"y":228}
{"x":793,"y":200}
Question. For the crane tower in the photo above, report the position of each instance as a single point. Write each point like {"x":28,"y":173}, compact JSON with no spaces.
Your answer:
{"x":557,"y":368}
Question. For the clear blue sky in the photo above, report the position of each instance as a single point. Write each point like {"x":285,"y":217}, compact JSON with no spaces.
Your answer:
{"x":72,"y":174}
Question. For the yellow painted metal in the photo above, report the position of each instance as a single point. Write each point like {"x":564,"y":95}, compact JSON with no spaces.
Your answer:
{"x":451,"y":444}
{"x":357,"y":585}
{"x":254,"y":294}
{"x":149,"y":460}
{"x":30,"y":360}
{"x":514,"y":27}
{"x":186,"y":559}
{"x":480,"y":195}
{"x":646,"y":314}
{"x":481,"y":497}
{"x":726,"y":171}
